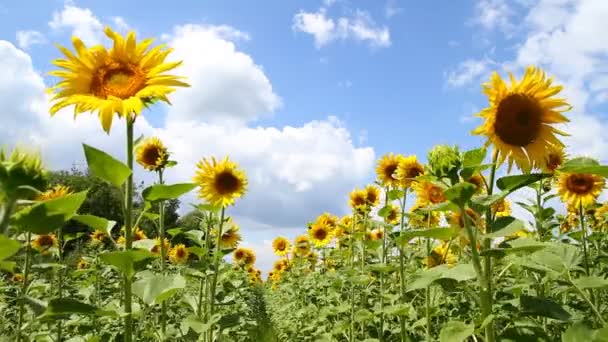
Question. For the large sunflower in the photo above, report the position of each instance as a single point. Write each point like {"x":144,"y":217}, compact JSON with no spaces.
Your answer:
{"x":320,"y":234}
{"x":328,"y":219}
{"x":122,"y":79}
{"x":151,"y":154}
{"x":577,"y":189}
{"x":518,"y":120}
{"x":280,"y":246}
{"x":221,"y":183}
{"x":387,"y":168}
{"x":408,"y":169}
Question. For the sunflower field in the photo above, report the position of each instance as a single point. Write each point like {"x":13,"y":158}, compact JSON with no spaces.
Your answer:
{"x":429,"y":252}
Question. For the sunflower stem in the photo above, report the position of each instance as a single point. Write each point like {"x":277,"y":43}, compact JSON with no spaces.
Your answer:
{"x":383,"y":261}
{"x":402,"y":268}
{"x":216,"y":271}
{"x":582,"y":226}
{"x":26,"y":272}
{"x":6,"y":214}
{"x":161,"y":228}
{"x":428,"y":294}
{"x":60,"y":278}
{"x":128,"y":329}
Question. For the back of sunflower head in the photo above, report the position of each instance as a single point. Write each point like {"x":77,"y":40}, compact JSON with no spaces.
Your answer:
{"x":21,"y":172}
{"x":444,"y":161}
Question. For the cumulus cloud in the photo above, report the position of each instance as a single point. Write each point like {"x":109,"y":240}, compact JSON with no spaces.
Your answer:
{"x":80,"y":21}
{"x":325,"y":30}
{"x":468,"y":72}
{"x":493,"y":14}
{"x":28,"y":38}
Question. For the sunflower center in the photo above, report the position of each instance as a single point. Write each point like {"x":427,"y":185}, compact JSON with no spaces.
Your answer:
{"x":580,"y":183}
{"x":151,"y":155}
{"x":414,"y":171}
{"x":239,"y":255}
{"x":320,"y":234}
{"x":226,"y":183}
{"x":436,"y":195}
{"x":281,"y":245}
{"x":389,"y":171}
{"x":118,"y":80}
{"x":518,"y":120}
{"x":45,"y":240}
{"x":180,"y":252}
{"x":553,"y":161}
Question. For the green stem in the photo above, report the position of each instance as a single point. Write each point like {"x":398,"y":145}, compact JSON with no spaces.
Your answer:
{"x":200,"y":298}
{"x":402,"y":268}
{"x":582,"y":226}
{"x":538,"y":218}
{"x":60,"y":278}
{"x":26,"y":272}
{"x":351,"y":248}
{"x":383,"y":261}
{"x":6,"y":214}
{"x":163,"y":253}
{"x":586,"y":299}
{"x":428,"y":294}
{"x":128,"y":329}
{"x":216,"y":271}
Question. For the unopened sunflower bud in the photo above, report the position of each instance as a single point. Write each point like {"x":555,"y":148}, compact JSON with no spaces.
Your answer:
{"x":444,"y":160}
{"x":20,"y":173}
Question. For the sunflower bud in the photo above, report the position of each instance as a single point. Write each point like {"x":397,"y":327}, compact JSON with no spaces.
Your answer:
{"x":19,"y":173}
{"x":444,"y":160}
{"x":547,"y":185}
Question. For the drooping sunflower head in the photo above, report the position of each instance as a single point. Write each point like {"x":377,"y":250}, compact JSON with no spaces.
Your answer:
{"x":441,"y":255}
{"x":152,"y":154}
{"x":221,"y":183}
{"x":456,"y":219}
{"x":408,"y":169}
{"x":428,"y":192}
{"x":44,"y":242}
{"x":518,"y":121}
{"x":121,"y":80}
{"x":386,"y":169}
{"x":158,"y":249}
{"x":56,"y":191}
{"x":576,"y":189}
{"x":20,"y":171}
{"x":280,"y":246}
{"x":372,"y":195}
{"x":179,"y":254}
{"x":320,"y":234}
{"x":501,"y":208}
{"x":394,"y":215}
{"x":230,"y":237}
{"x":358,"y":200}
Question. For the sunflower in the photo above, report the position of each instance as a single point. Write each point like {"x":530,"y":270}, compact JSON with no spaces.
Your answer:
{"x":98,"y":236}
{"x":423,"y":218}
{"x":479,"y":182}
{"x":501,"y":208}
{"x":17,"y":278}
{"x":138,"y":234}
{"x":281,"y":265}
{"x":82,"y":264}
{"x":179,"y":254}
{"x":280,"y":246}
{"x":57,"y":191}
{"x":377,"y":234}
{"x":44,"y":242}
{"x":156,"y":249}
{"x":601,"y":214}
{"x":554,"y":158}
{"x":358,"y":199}
{"x":394,"y":215}
{"x":312,"y":257}
{"x":408,"y":169}
{"x":320,"y":234}
{"x":231,"y":237}
{"x":121,"y":80}
{"x":386,"y":169}
{"x":151,"y":154}
{"x":456,"y":219}
{"x":372,"y":195}
{"x":570,"y":222}
{"x":441,"y":255}
{"x":429,"y":192}
{"x":578,"y":189}
{"x":244,"y":256}
{"x":221,"y":183}
{"x":519,"y":120}
{"x":328,"y":219}
{"x":301,"y":246}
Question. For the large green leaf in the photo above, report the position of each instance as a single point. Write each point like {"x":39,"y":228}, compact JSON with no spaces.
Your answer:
{"x":460,"y":193}
{"x":8,"y":247}
{"x":590,"y":282}
{"x":162,"y":192}
{"x":424,"y":278}
{"x":473,"y":157}
{"x":512,"y":183}
{"x":96,"y":222}
{"x":545,"y":307}
{"x":105,"y":166}
{"x":48,"y":216}
{"x":126,"y":261}
{"x":63,"y":307}
{"x":435,"y":233}
{"x":157,"y":288}
{"x":505,"y":226}
{"x":584,"y":165}
{"x":456,"y":331}
{"x":488,"y":200}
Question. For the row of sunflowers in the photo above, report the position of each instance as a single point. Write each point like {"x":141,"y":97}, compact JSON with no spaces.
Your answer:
{"x":429,"y":251}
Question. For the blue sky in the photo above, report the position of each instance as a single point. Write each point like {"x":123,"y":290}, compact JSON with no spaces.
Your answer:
{"x":306,"y":95}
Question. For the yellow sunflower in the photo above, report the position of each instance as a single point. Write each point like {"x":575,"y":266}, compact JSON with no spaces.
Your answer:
{"x":429,"y":193}
{"x":386,"y":169}
{"x":501,"y":208}
{"x":179,"y":254}
{"x":17,"y":278}
{"x":441,"y":255}
{"x":98,"y":236}
{"x":554,"y":158}
{"x":328,"y":219}
{"x":479,"y":182}
{"x":408,"y":169}
{"x":423,"y":218}
{"x":377,"y":234}
{"x":281,"y":265}
{"x":57,"y":191}
{"x":280,"y":246}
{"x":394,"y":215}
{"x":156,"y":249}
{"x":244,"y":256}
{"x":358,"y":199}
{"x":372,"y":195}
{"x":577,"y":189}
{"x":570,"y":222}
{"x":151,"y":154}
{"x":519,"y":120}
{"x":601,"y":214}
{"x":301,"y":246}
{"x":230,"y":237}
{"x":221,"y":183}
{"x":312,"y":257}
{"x":121,"y":80}
{"x":44,"y":242}
{"x":82,"y":264}
{"x":138,"y":234}
{"x":320,"y":234}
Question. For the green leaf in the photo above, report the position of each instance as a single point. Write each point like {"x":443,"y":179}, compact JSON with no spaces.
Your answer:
{"x":505,"y":226}
{"x":48,"y":216}
{"x":474,"y":157}
{"x":157,"y":288}
{"x":385,"y":211}
{"x":395,"y":194}
{"x":363,"y":315}
{"x":8,"y":247}
{"x":229,"y":320}
{"x":174,"y":231}
{"x":435,"y":233}
{"x":590,"y":282}
{"x":162,"y":192}
{"x":456,"y":331}
{"x":67,"y":306}
{"x":584,"y":165}
{"x":96,"y":222}
{"x":512,"y":183}
{"x":105,"y":166}
{"x":126,"y":261}
{"x":545,"y":307}
{"x":424,"y":278}
{"x":8,"y":266}
{"x":488,"y":200}
{"x":460,"y":193}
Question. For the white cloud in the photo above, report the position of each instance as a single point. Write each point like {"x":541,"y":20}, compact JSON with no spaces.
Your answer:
{"x":468,"y":71}
{"x":121,"y":25}
{"x":325,"y":29}
{"x":81,"y":21}
{"x":391,"y":9}
{"x":493,"y":14}
{"x":28,"y":38}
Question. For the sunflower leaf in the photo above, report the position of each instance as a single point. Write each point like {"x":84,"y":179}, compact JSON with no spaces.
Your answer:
{"x":513,"y":183}
{"x":157,"y":288}
{"x":45,"y":217}
{"x":460,"y":193}
{"x":504,"y":226}
{"x":435,"y":233}
{"x":126,"y":261}
{"x":584,"y":165}
{"x":8,"y":247}
{"x":96,"y":222}
{"x":105,"y":166}
{"x":162,"y":192}
{"x":456,"y":331}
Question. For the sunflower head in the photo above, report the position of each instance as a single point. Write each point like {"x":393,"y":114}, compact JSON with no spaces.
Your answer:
{"x":44,"y":242}
{"x":423,"y":218}
{"x":280,"y":246}
{"x":554,"y":158}
{"x":386,"y":169}
{"x":179,"y":254}
{"x":320,"y":234}
{"x":156,"y":249}
{"x":479,"y":181}
{"x":428,"y":192}
{"x":244,"y":257}
{"x":372,"y":195}
{"x":579,"y":189}
{"x":230,"y":237}
{"x":328,"y":219}
{"x":408,"y":169}
{"x":98,"y":236}
{"x":312,"y":257}
{"x":56,"y":191}
{"x":519,"y":120}
{"x":346,"y":222}
{"x":377,"y":234}
{"x":281,"y":265}
{"x":138,"y":234}
{"x":444,"y":160}
{"x":121,"y":80}
{"x":441,"y":255}
{"x":501,"y":208}
{"x":394,"y":215}
{"x":151,"y":154}
{"x":221,"y":183}
{"x":20,"y":171}
{"x":456,"y":219}
{"x":82,"y":264}
{"x":358,"y":200}
{"x":17,"y":278}
{"x":301,"y":246}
